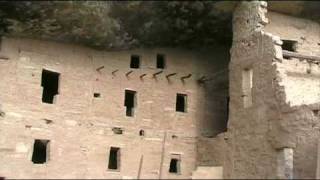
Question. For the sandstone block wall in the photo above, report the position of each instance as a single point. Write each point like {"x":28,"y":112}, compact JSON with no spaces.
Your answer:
{"x":79,"y":126}
{"x":284,"y":94}
{"x":298,"y":85}
{"x":274,"y":101}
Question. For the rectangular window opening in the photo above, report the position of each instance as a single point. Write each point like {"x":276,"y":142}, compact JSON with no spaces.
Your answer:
{"x":161,"y":61}
{"x":117,"y":130}
{"x":181,"y":103}
{"x":247,"y":75}
{"x":40,"y":151}
{"x":130,"y":102}
{"x":114,"y":157}
{"x":135,"y":62}
{"x":96,"y":95}
{"x":315,"y":112}
{"x":288,"y":45}
{"x":50,"y":84}
{"x":175,"y":164}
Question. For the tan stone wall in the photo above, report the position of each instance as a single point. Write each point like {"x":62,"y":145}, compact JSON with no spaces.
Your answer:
{"x":304,"y":31}
{"x":81,"y":133}
{"x":245,"y":151}
{"x":284,"y":98}
{"x":283,"y":112}
{"x":250,"y":151}
{"x":293,"y":72}
{"x":298,"y":82}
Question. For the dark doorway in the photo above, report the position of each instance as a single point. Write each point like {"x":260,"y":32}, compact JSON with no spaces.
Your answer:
{"x":114,"y":158}
{"x":130,"y":102}
{"x":174,"y":165}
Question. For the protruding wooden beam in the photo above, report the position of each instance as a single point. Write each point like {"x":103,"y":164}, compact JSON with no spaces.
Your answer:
{"x":300,"y":56}
{"x":157,"y":73}
{"x":128,"y":73}
{"x":171,"y":74}
{"x":185,"y":77}
{"x":48,"y":121}
{"x":142,"y":75}
{"x":113,"y":72}
{"x":99,"y":68}
{"x":203,"y":79}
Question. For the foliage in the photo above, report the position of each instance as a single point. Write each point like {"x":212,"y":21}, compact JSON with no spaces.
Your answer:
{"x":118,"y":24}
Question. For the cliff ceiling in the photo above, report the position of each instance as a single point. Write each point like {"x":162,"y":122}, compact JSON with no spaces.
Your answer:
{"x":126,"y":24}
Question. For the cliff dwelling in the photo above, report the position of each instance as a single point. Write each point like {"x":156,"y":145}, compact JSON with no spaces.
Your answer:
{"x":239,"y":102}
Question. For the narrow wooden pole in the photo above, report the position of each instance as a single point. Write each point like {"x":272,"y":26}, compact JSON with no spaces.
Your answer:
{"x":99,"y":68}
{"x":127,"y":74}
{"x":155,"y":74}
{"x":113,"y":72}
{"x":172,"y":74}
{"x":140,"y":166}
{"x":185,"y":77}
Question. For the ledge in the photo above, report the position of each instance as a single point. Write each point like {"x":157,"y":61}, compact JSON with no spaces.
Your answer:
{"x":300,"y":56}
{"x":3,"y":57}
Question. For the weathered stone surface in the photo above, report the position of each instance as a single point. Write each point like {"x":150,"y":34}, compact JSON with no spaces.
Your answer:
{"x":285,"y":163}
{"x":207,"y":172}
{"x":79,"y":126}
{"x":284,"y":94}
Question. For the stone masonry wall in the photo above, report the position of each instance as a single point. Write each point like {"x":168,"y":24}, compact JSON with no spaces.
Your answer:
{"x":298,"y":79}
{"x":273,"y":132}
{"x":79,"y":126}
{"x":244,"y":150}
{"x":307,"y":35}
{"x":282,"y":116}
